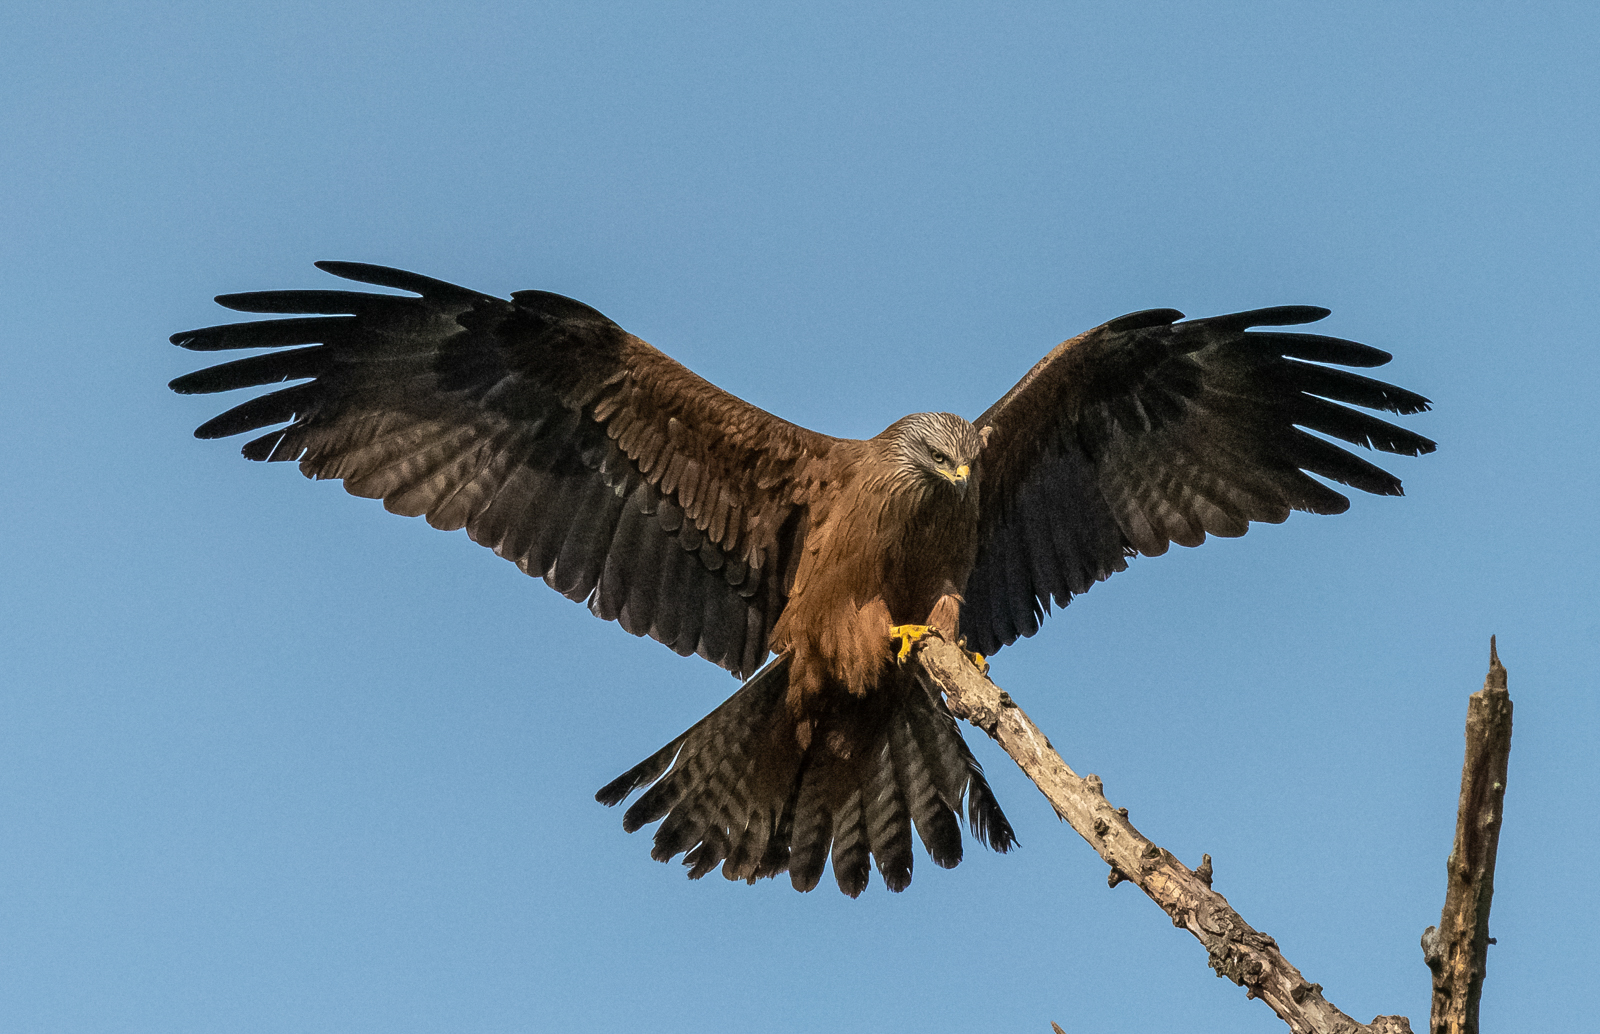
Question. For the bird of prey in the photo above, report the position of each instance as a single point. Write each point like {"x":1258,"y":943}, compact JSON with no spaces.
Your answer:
{"x":590,"y":459}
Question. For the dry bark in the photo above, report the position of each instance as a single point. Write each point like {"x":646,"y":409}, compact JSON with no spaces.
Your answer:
{"x":1457,"y":949}
{"x":1237,"y":950}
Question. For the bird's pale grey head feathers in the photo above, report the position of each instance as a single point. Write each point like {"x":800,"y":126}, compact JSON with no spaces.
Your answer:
{"x":942,"y":447}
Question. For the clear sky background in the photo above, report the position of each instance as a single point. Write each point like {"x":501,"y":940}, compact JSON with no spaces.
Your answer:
{"x":274,"y":760}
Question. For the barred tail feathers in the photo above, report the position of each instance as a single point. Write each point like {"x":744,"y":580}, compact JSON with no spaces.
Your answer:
{"x":737,"y":789}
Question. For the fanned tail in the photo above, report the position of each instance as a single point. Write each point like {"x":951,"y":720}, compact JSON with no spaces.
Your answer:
{"x":738,"y":790}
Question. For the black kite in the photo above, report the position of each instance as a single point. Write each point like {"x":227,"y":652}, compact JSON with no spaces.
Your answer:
{"x":588,"y":458}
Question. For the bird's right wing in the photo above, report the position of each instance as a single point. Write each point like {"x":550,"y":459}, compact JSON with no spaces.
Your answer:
{"x":1147,"y":431}
{"x":555,"y":438}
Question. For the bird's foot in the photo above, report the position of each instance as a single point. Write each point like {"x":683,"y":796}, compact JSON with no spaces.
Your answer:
{"x":975,"y":657}
{"x":908,"y":636}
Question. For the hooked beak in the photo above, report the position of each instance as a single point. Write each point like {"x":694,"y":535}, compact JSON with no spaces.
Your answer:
{"x":960,"y":478}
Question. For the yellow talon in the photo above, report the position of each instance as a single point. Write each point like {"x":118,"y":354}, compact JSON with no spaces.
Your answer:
{"x":979,"y":663}
{"x":908,"y":635}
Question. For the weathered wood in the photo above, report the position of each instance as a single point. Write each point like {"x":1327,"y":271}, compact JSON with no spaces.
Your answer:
{"x":1237,"y":950}
{"x":1457,"y":949}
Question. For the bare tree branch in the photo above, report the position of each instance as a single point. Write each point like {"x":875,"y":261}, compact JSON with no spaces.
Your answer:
{"x":1457,"y":949}
{"x":1237,"y":950}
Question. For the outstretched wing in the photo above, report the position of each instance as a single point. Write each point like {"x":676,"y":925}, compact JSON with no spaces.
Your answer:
{"x":1144,"y":432}
{"x":565,"y":444}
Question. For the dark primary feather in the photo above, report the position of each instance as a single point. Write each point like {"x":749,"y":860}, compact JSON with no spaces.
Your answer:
{"x":1146,"y":431}
{"x":568,"y":446}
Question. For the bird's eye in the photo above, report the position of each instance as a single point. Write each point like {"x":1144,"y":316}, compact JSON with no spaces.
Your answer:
{"x":939,"y":457}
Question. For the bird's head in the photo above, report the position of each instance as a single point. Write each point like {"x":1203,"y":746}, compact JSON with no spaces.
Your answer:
{"x":940,"y":449}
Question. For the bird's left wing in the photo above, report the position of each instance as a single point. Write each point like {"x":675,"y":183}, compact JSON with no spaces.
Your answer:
{"x":1147,"y":431}
{"x":560,"y":441}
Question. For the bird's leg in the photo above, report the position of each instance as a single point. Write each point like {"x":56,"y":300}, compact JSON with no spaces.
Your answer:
{"x":908,"y":636}
{"x":946,"y":620}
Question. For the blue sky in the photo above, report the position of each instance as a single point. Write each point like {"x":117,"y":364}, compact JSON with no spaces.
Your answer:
{"x":273,"y":759}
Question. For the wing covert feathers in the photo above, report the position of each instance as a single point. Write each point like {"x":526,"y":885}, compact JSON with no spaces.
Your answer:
{"x":570,"y":447}
{"x":737,"y":791}
{"x":1147,"y":431}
